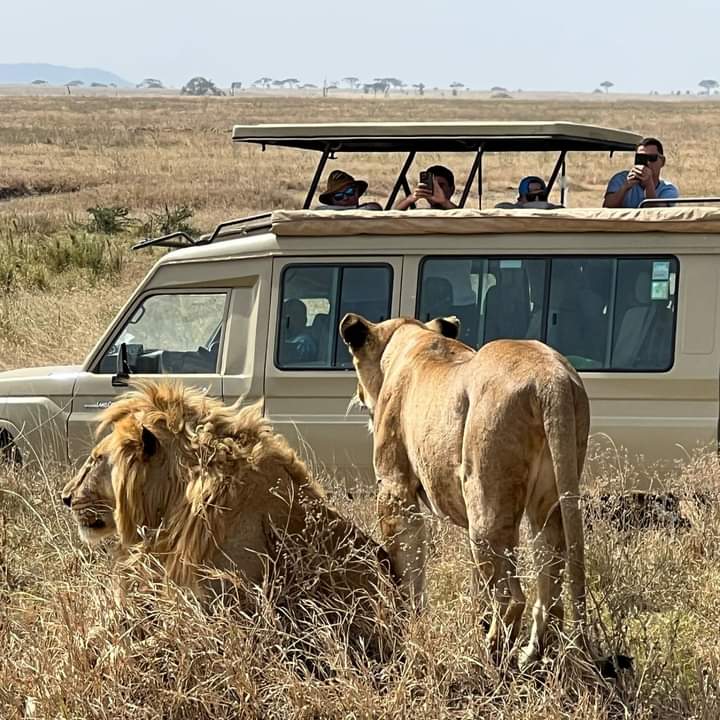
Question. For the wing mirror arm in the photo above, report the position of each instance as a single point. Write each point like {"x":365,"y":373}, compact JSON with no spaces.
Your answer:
{"x":122,"y":371}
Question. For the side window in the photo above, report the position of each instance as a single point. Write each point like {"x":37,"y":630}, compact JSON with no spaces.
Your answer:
{"x":579,"y":310}
{"x":602,"y":313}
{"x":314,"y":299}
{"x":493,"y":298}
{"x":613,"y":313}
{"x":645,"y":309}
{"x":515,"y":299}
{"x":173,"y":333}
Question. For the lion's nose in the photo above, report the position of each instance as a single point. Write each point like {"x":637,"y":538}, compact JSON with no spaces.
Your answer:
{"x":67,"y":500}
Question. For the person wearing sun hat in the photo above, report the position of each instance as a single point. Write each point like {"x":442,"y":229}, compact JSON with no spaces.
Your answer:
{"x":343,"y":192}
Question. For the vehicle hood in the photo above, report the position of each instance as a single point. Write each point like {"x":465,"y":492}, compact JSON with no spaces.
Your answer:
{"x":46,"y":381}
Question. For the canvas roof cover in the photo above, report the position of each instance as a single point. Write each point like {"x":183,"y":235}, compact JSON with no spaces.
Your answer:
{"x":470,"y":222}
{"x":439,"y":136}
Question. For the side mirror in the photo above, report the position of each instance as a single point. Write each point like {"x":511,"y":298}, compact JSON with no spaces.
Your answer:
{"x":122,"y":371}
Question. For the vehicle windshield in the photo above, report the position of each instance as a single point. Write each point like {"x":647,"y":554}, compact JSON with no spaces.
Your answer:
{"x":171,"y":333}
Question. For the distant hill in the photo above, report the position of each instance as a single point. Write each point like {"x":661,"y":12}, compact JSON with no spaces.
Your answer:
{"x":25,"y":73}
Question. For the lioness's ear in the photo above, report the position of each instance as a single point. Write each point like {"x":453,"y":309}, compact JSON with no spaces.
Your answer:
{"x":354,"y":330}
{"x":149,"y":442}
{"x":447,"y":326}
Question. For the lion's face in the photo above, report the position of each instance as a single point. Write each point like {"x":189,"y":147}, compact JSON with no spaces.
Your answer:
{"x":89,"y":494}
{"x":367,"y":342}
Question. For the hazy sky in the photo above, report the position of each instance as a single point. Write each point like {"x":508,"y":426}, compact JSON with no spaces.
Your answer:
{"x":561,"y":45}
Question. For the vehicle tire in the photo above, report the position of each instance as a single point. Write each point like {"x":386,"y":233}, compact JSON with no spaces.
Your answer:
{"x":9,"y":451}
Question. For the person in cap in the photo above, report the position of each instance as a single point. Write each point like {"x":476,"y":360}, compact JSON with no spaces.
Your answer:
{"x":438,"y":194}
{"x":532,"y":195}
{"x":343,"y":192}
{"x":628,"y":188}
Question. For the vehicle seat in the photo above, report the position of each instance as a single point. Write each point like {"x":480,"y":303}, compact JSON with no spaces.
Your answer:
{"x":507,"y":306}
{"x":575,"y":318}
{"x":642,"y":339}
{"x":436,"y":299}
{"x":320,"y":330}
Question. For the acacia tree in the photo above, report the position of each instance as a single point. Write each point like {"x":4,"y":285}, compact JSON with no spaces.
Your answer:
{"x":199,"y":86}
{"x":151,"y":84}
{"x":607,"y":85}
{"x":351,"y":82}
{"x":455,"y":86}
{"x":708,"y":85}
{"x":263,"y":82}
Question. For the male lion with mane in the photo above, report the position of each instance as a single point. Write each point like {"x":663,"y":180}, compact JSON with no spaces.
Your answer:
{"x":479,"y":437}
{"x":205,"y":488}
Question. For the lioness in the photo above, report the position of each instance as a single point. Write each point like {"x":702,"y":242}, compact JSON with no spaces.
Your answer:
{"x":480,"y":437}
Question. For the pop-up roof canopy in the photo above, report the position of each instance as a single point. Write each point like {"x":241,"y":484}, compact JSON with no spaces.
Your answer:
{"x":459,"y":136}
{"x":463,"y":136}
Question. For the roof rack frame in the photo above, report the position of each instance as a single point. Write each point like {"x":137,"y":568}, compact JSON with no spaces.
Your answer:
{"x":167,"y":241}
{"x":660,"y":202}
{"x":229,"y":223}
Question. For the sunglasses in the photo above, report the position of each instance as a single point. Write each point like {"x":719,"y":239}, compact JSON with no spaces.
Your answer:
{"x":344,"y":194}
{"x":645,"y":158}
{"x":537,"y":195}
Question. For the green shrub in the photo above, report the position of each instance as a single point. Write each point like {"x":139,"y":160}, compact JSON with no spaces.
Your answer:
{"x":109,"y":220}
{"x":169,"y":220}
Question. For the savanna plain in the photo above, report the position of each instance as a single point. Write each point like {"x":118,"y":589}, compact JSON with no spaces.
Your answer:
{"x":81,"y":179}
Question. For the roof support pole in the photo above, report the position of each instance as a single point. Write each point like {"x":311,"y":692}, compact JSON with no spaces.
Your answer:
{"x":563,"y":184}
{"x":480,"y":178}
{"x":475,"y":167}
{"x":316,"y":177}
{"x":401,"y":181}
{"x":559,"y":165}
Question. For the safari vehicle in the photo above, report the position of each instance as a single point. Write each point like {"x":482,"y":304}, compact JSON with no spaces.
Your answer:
{"x":252,"y":310}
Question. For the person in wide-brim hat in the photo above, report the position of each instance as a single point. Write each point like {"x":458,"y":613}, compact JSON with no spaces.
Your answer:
{"x":342,"y":189}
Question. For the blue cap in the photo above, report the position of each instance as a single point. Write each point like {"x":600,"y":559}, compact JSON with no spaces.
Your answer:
{"x":524,"y":186}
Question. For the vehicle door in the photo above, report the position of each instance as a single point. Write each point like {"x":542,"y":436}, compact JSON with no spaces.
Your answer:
{"x":167,"y":333}
{"x":309,"y":379}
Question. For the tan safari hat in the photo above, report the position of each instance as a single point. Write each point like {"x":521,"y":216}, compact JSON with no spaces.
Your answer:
{"x":339,"y":180}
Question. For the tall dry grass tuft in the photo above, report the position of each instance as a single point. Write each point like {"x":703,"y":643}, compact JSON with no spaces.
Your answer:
{"x":72,"y":646}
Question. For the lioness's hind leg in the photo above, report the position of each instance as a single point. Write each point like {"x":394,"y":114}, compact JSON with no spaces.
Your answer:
{"x":549,"y":551}
{"x":495,"y":576}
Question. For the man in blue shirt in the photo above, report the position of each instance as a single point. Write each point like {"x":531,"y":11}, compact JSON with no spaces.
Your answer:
{"x":627,"y":189}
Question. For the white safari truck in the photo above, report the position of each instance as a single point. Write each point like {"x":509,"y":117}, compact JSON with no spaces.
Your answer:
{"x":252,"y":310}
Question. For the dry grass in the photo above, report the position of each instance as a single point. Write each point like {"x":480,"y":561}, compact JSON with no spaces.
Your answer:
{"x":657,"y":591}
{"x":68,"y":648}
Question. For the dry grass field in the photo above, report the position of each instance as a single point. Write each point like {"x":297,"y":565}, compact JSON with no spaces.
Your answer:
{"x":64,"y":647}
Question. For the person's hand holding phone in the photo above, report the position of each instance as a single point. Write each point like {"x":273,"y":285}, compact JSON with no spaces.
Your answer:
{"x":646,"y":177}
{"x":635,"y":174}
{"x":438,"y":197}
{"x":424,"y":189}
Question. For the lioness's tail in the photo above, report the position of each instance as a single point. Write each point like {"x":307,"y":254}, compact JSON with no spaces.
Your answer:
{"x":566,"y":419}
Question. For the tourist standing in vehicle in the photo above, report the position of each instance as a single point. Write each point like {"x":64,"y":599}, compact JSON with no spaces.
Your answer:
{"x":437,"y":186}
{"x":343,"y":192}
{"x":532,"y":194}
{"x":628,"y":188}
